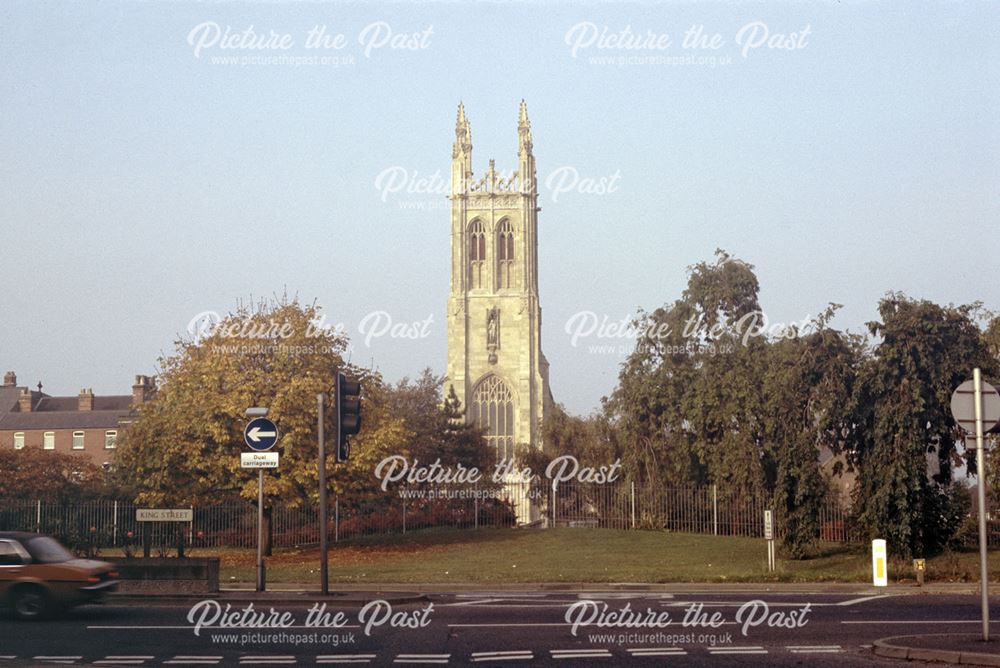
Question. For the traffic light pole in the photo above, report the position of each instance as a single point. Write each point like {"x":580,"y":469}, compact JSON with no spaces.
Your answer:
{"x":977,"y":380}
{"x":324,"y":573}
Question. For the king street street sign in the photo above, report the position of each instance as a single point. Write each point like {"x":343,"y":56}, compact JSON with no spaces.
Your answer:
{"x":260,"y":434}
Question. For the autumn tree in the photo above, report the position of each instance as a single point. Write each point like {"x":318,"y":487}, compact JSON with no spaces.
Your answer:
{"x":33,"y":473}
{"x":184,"y":447}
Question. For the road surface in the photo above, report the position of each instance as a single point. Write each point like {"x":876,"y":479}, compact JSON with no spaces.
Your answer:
{"x":483,"y":628}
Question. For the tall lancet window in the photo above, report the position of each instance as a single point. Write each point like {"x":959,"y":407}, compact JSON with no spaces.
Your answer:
{"x":505,"y":255}
{"x":477,"y":254}
{"x":493,"y":411}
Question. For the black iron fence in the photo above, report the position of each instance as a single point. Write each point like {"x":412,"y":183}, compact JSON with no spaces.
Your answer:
{"x":706,"y":510}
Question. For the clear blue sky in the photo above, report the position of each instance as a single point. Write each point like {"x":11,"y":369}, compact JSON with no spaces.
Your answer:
{"x":141,"y":185}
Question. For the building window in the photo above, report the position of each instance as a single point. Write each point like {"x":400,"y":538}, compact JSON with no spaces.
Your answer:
{"x":78,"y":440}
{"x":493,"y":412}
{"x":18,"y":440}
{"x":505,"y":255}
{"x":477,"y":254}
{"x":49,"y":440}
{"x":110,"y":439}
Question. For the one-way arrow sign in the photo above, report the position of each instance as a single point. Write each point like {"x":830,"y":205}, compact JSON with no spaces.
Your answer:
{"x":260,"y":434}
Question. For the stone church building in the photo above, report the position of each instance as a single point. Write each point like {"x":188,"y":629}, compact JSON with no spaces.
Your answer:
{"x":495,"y":360}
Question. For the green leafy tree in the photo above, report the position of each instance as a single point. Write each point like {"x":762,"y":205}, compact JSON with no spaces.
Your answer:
{"x":808,"y":389}
{"x":906,"y":448}
{"x":687,"y":406}
{"x":435,"y":426}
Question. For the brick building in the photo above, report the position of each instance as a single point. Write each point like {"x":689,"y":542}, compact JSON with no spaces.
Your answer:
{"x":84,"y":424}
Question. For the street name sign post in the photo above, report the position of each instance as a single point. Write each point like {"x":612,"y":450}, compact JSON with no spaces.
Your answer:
{"x":164,"y":514}
{"x":975,"y":405}
{"x":769,"y":537}
{"x":260,"y":434}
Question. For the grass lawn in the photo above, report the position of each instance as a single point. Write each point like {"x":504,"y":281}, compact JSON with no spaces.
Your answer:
{"x":576,"y":555}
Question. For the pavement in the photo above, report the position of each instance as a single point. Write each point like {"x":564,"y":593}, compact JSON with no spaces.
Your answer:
{"x":952,"y":648}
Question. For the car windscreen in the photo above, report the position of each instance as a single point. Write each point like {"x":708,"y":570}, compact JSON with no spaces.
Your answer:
{"x":47,"y":550}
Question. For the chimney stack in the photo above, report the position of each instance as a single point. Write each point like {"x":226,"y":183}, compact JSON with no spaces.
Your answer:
{"x":85,"y":402}
{"x":24,"y":400}
{"x":143,"y":390}
{"x":9,"y":379}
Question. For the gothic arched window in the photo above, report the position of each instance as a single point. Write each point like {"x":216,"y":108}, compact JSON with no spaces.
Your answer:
{"x":505,"y":255}
{"x":493,"y":411}
{"x":477,"y":253}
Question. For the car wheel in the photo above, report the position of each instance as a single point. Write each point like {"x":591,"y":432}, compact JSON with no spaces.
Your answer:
{"x":30,"y":603}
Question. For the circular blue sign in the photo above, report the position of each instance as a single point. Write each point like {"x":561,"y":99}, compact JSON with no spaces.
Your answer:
{"x":260,"y":434}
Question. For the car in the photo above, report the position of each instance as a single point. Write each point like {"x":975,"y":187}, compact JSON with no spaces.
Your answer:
{"x":38,"y":576}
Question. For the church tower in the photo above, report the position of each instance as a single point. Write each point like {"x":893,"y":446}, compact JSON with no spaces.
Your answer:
{"x":495,"y":360}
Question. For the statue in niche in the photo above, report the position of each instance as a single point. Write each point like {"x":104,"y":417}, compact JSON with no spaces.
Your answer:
{"x":493,"y":333}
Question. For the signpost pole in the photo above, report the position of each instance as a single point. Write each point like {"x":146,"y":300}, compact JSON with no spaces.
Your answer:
{"x":324,"y":576}
{"x":977,"y":380}
{"x":260,"y":529}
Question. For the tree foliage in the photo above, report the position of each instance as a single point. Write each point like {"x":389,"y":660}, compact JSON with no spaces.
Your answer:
{"x":184,"y":447}
{"x":33,"y":473}
{"x":710,"y":395}
{"x":907,"y":438}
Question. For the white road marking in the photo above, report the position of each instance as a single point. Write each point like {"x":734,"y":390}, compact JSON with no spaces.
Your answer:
{"x":863,"y":599}
{"x":188,"y":627}
{"x":644,"y":650}
{"x":658,"y":652}
{"x":345,"y":658}
{"x":622,"y":595}
{"x":482,"y":601}
{"x":58,"y":659}
{"x":814,"y":649}
{"x":514,"y":624}
{"x":746,"y":649}
{"x":580,"y":654}
{"x":421,"y":658}
{"x":512,"y":655}
{"x":194,"y":660}
{"x":285,"y":658}
{"x":915,"y":621}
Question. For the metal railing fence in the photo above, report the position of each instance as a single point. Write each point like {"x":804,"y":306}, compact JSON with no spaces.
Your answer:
{"x":623,"y":505}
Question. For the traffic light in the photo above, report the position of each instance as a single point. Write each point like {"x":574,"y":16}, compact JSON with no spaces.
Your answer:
{"x":348,"y":414}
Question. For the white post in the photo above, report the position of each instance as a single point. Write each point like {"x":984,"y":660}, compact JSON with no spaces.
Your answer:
{"x":715,"y":509}
{"x":880,"y":561}
{"x":633,"y":504}
{"x":977,"y":381}
{"x":38,"y":516}
{"x":114,"y":525}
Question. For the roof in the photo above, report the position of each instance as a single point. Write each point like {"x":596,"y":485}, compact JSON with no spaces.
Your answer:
{"x":8,"y":399}
{"x":64,"y":413}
